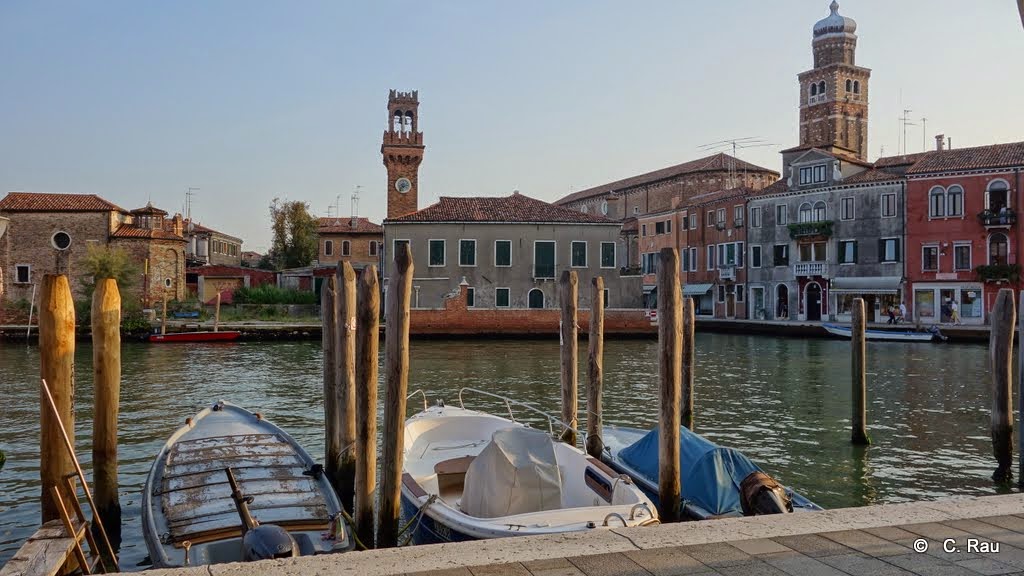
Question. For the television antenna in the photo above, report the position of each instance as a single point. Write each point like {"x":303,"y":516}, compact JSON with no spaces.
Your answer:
{"x":355,"y":201}
{"x":905,"y":121}
{"x":188,"y":204}
{"x":736,"y":144}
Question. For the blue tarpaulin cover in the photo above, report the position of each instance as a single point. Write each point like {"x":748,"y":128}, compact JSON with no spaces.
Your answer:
{"x":710,"y":474}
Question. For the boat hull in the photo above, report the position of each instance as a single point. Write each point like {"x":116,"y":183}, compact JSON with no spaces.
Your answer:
{"x":225,"y":336}
{"x":884,"y":335}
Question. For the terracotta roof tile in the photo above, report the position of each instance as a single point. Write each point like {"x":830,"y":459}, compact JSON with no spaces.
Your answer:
{"x":48,"y":202}
{"x":870,"y":175}
{"x":713,"y":163}
{"x":903,"y":160}
{"x":717,"y":196}
{"x":777,"y":187}
{"x":979,"y":157}
{"x":344,"y":226}
{"x":197,"y":227}
{"x":130,"y":231}
{"x":148,"y":210}
{"x":514,"y":208}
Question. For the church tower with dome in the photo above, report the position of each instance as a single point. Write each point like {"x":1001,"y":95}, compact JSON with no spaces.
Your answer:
{"x":834,"y":94}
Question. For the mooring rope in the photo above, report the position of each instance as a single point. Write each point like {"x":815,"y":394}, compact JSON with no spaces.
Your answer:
{"x":418,"y":517}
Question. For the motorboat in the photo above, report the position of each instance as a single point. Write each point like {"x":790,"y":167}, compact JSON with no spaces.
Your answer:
{"x":205,"y":336}
{"x":932,"y":333}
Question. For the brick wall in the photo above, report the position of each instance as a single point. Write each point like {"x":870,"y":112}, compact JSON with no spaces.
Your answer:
{"x":359,"y":248}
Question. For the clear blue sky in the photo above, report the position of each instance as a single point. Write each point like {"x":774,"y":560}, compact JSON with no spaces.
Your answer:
{"x":255,"y":100}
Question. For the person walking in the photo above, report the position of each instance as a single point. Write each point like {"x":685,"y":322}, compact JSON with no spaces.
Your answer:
{"x":954,"y":312}
{"x":903,"y":313}
{"x":892,"y":314}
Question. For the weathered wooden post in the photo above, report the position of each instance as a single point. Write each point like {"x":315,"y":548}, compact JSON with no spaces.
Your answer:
{"x":858,"y":344}
{"x":568,"y":295}
{"x":689,"y":362}
{"x":670,"y":353}
{"x":329,"y":339}
{"x":106,"y":369}
{"x":216,"y":314}
{"x":163,"y":321}
{"x":57,"y":367}
{"x":346,"y":374}
{"x":367,"y":341}
{"x":595,"y":368}
{"x":396,"y":374}
{"x":1000,"y":349}
{"x":1020,"y":378}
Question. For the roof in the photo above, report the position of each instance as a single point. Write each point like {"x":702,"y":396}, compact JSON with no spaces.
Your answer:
{"x":197,"y":227}
{"x":839,"y":153}
{"x":777,"y":187}
{"x":903,"y":160}
{"x":48,"y":202}
{"x":149,"y":209}
{"x":130,"y":231}
{"x":868,"y":176}
{"x":717,"y":196}
{"x":979,"y":157}
{"x":714,"y":163}
{"x":508,"y":209}
{"x":344,"y":226}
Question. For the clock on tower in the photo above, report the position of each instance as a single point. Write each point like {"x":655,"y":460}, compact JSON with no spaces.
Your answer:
{"x":402,"y":150}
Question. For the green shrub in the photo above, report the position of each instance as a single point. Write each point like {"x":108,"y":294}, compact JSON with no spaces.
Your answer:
{"x":268,"y":294}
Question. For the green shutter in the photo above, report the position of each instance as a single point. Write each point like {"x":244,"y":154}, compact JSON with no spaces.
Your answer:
{"x":544,"y":260}
{"x":854,"y":251}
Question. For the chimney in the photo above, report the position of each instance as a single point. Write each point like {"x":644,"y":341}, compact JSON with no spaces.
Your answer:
{"x":177,"y":225}
{"x":939,"y":139}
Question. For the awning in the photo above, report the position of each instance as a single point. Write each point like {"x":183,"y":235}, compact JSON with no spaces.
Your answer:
{"x":866,"y":285}
{"x":648,"y":288}
{"x":696,"y":289}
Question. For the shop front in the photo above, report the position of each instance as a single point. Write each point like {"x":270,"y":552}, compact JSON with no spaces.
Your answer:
{"x":703,"y":300}
{"x":878,"y":292}
{"x":932,"y":302}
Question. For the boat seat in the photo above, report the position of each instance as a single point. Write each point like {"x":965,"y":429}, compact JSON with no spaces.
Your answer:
{"x":451,"y":474}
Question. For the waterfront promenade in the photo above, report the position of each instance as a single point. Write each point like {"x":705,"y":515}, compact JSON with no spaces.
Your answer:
{"x":875,"y":540}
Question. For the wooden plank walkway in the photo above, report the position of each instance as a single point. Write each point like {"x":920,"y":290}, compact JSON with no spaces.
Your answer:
{"x":873,"y":551}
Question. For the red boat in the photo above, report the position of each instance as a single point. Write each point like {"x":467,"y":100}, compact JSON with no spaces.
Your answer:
{"x":223,"y":336}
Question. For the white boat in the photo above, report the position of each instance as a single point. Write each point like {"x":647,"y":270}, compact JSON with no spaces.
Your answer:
{"x":471,"y":475}
{"x":891,"y":335}
{"x":189,"y":512}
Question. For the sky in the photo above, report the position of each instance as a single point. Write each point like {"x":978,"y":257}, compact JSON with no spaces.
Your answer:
{"x":251,"y":101}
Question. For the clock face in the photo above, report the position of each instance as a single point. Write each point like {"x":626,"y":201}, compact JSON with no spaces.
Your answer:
{"x":403,"y":185}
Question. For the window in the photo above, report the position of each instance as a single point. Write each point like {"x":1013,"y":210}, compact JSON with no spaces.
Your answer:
{"x":805,"y":213}
{"x":585,"y":209}
{"x":22,"y":274}
{"x":543,"y":260}
{"x":502,"y":297}
{"x":328,"y":247}
{"x":930,"y":258}
{"x":781,"y":255}
{"x":643,"y":229}
{"x":721,"y":293}
{"x":781,"y":215}
{"x":889,"y":205}
{"x":846,"y":208}
{"x":711,"y":217}
{"x":739,"y":254}
{"x":607,"y":254}
{"x":755,"y":256}
{"x":636,"y":210}
{"x":819,"y":211}
{"x":812,"y":252}
{"x":814,"y":89}
{"x":937,"y":202}
{"x":849,"y":85}
{"x":998,"y":249}
{"x":398,"y":245}
{"x":659,"y":227}
{"x":711,"y":258}
{"x":997,"y":196}
{"x":819,"y":173}
{"x":579,"y":254}
{"x":467,"y":252}
{"x":693,"y":221}
{"x":889,"y":250}
{"x":535,"y":299}
{"x":847,"y":251}
{"x":649,"y":263}
{"x":721,"y":215}
{"x":961,"y":257}
{"x":740,"y":293}
{"x":668,"y":226}
{"x":437,"y":252}
{"x":821,"y":88}
{"x":470,"y":297}
{"x":346,"y":248}
{"x":755,"y":217}
{"x":684,"y":220}
{"x":955,"y":201}
{"x":693,"y":259}
{"x":684,"y":259}
{"x":856,"y":86}
{"x":806,"y":175}
{"x":503,"y":253}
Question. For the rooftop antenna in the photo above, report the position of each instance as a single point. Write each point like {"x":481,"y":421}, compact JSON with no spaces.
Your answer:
{"x":924,"y":132}
{"x":337,"y":210}
{"x":355,"y":201}
{"x":736,"y":144}
{"x":188,"y":204}
{"x":905,"y":121}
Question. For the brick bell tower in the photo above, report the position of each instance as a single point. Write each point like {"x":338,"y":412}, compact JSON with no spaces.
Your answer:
{"x":403,"y":151}
{"x":834,"y":94}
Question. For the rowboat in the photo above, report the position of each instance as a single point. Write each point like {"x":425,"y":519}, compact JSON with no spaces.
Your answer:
{"x":714,"y":478}
{"x":471,"y":475}
{"x":222,"y":336}
{"x":891,"y":335}
{"x":190,"y":503}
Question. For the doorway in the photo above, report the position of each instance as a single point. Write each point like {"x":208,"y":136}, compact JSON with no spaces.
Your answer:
{"x":782,"y":302}
{"x":813,"y":294}
{"x":757,"y":306}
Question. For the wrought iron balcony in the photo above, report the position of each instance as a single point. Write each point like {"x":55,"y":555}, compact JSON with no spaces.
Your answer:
{"x":720,"y":224}
{"x":737,"y":222}
{"x":810,"y":268}
{"x":806,"y":229}
{"x":1004,"y":218}
{"x":726,"y":272}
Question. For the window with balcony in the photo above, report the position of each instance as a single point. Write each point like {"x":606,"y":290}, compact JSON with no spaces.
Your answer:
{"x":998,"y":249}
{"x":930,"y":258}
{"x":437,"y":253}
{"x":806,"y":213}
{"x":889,"y":249}
{"x":780,"y":255}
{"x":755,"y":217}
{"x":781,"y":215}
{"x":503,"y":253}
{"x":467,"y":252}
{"x":812,"y":251}
{"x":889,"y":205}
{"x":819,"y":211}
{"x":961,"y":257}
{"x":847,"y":251}
{"x":544,"y":259}
{"x":997,"y":196}
{"x":846,"y":208}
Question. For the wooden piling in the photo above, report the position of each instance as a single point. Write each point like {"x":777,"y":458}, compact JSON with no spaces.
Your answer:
{"x":670,"y":353}
{"x":396,"y":374}
{"x":595,"y":368}
{"x":163,"y":321}
{"x":329,"y":340}
{"x":367,"y":342}
{"x":216,"y":313}
{"x":57,"y":367}
{"x":858,"y":345}
{"x":106,"y":368}
{"x":689,"y":362}
{"x":1020,"y":379}
{"x":568,"y":295}
{"x":1000,"y":349}
{"x":346,"y":373}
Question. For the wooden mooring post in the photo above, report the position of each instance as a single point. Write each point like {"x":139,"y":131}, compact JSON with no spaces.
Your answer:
{"x":670,"y":353}
{"x":57,"y":368}
{"x":595,"y":368}
{"x":216,"y":313}
{"x":1020,"y":378}
{"x":346,"y":373}
{"x":568,"y":297}
{"x":367,"y":342}
{"x":163,"y":321}
{"x":396,"y":374}
{"x":106,"y":369}
{"x":1000,"y":349}
{"x":329,"y":309}
{"x":689,"y":362}
{"x":858,"y":344}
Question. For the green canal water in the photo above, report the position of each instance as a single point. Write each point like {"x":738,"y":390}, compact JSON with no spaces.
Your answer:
{"x":784,"y":402}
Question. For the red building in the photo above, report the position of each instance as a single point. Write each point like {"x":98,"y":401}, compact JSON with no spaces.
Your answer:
{"x":714,"y":245}
{"x":963,"y":241}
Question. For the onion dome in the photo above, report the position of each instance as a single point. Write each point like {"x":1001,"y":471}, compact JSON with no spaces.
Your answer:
{"x":834,"y":23}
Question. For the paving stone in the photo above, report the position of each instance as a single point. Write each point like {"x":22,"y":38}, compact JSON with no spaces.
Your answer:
{"x":552,"y":567}
{"x":446,"y":572}
{"x":667,"y":562}
{"x":753,"y":568}
{"x":936,"y":531}
{"x":891,"y":533}
{"x":796,"y":564}
{"x":614,"y":564}
{"x":760,"y":546}
{"x":1013,"y":523}
{"x":928,"y":565}
{"x":989,"y":531}
{"x":513,"y":569}
{"x":986,"y":566}
{"x":717,"y":554}
{"x":861,"y":565}
{"x":867,"y":543}
{"x":813,"y":545}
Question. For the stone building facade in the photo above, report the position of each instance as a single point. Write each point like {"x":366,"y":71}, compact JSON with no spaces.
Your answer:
{"x":206,"y":246}
{"x":355,"y":240}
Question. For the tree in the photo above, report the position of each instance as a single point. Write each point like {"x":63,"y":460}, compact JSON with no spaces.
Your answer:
{"x":107,"y":262}
{"x":295,"y":234}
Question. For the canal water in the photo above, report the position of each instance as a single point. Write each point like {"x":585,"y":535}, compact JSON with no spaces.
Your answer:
{"x":784,"y":402}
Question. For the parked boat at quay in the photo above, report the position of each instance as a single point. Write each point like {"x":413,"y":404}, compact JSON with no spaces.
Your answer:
{"x":932,"y":333}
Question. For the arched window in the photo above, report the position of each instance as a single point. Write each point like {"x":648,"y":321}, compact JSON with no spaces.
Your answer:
{"x":814,"y":89}
{"x":346,"y":248}
{"x":856,"y":86}
{"x":536,"y":298}
{"x":937,"y":202}
{"x":328,"y":247}
{"x":997,"y":196}
{"x":585,"y":209}
{"x":408,"y":121}
{"x":821,"y":88}
{"x":998,"y":249}
{"x":955,"y":201}
{"x":849,"y":85}
{"x":819,"y":211}
{"x":805,"y":212}
{"x":397,"y":124}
